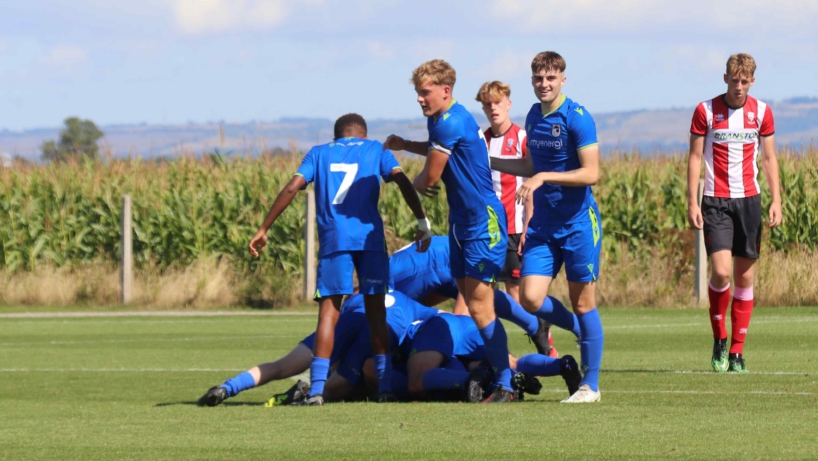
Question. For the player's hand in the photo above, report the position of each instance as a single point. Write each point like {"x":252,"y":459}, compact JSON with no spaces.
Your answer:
{"x":258,"y":243}
{"x":394,"y":142}
{"x":521,"y":244}
{"x":694,"y":217}
{"x":527,"y":189}
{"x":422,"y":241}
{"x":424,"y":190}
{"x":776,"y":214}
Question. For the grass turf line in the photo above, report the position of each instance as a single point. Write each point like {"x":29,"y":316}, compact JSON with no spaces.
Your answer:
{"x":125,"y":388}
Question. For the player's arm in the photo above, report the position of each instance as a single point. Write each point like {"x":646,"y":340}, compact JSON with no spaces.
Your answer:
{"x":285,"y":197}
{"x":426,"y":182}
{"x":395,"y":142}
{"x":586,"y":175}
{"x":770,"y":164}
{"x":424,"y":234}
{"x":528,"y":213}
{"x":694,"y":168}
{"x":514,"y":166}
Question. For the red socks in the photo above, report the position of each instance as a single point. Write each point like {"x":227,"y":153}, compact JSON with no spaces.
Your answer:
{"x":740,"y":317}
{"x":719,"y":301}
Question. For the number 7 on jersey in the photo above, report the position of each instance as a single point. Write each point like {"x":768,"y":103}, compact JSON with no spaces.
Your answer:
{"x":349,"y":170}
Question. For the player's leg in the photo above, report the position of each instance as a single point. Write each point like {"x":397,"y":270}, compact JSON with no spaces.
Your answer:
{"x":295,"y":362}
{"x":373,"y":277}
{"x":746,"y":248}
{"x":425,"y":372}
{"x":581,"y":244}
{"x":542,"y":365}
{"x":718,"y":238}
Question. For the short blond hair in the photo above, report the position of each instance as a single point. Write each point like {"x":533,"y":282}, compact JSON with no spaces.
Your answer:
{"x":548,"y":61}
{"x":741,"y":64}
{"x":436,"y":71}
{"x":493,"y":91}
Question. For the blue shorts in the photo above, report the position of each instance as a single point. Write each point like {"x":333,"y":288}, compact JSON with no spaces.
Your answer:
{"x":349,"y":326}
{"x":335,"y":273}
{"x":576,"y":244}
{"x":479,"y":252}
{"x":451,"y":335}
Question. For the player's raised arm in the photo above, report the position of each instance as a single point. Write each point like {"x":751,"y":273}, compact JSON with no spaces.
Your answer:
{"x":395,"y":142}
{"x":285,"y":197}
{"x":770,"y":164}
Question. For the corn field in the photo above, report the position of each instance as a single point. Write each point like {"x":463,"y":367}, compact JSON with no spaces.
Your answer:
{"x":189,"y":209}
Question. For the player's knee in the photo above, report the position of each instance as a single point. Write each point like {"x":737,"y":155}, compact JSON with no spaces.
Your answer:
{"x":531,"y":303}
{"x":415,"y":384}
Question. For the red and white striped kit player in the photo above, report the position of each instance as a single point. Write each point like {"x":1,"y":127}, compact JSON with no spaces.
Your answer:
{"x":731,"y":145}
{"x":510,"y":145}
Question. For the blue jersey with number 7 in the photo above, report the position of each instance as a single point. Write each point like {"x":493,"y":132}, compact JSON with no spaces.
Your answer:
{"x":347,"y":174}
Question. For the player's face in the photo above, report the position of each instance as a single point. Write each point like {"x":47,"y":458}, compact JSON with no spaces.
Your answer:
{"x":433,"y":99}
{"x":547,"y":85}
{"x":738,"y":86}
{"x":496,"y":111}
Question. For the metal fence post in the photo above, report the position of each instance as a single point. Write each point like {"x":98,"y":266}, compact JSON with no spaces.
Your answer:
{"x":127,"y":250}
{"x":700,"y":281}
{"x":309,"y":246}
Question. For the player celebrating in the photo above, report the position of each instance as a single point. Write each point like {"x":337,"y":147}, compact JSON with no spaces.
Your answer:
{"x":456,"y":153}
{"x":350,"y":233}
{"x":728,"y":131}
{"x":507,"y":140}
{"x":563,"y":164}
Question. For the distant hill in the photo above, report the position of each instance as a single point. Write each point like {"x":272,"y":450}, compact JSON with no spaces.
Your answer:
{"x":648,"y":131}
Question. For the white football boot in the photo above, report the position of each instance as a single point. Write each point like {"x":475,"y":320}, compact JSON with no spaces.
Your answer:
{"x":584,"y":395}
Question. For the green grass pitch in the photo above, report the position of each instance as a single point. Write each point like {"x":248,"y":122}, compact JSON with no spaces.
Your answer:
{"x":125,"y":388}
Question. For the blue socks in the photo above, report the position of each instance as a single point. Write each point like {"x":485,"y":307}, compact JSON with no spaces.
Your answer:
{"x":507,"y":309}
{"x":319,"y":370}
{"x":240,"y":382}
{"x":555,"y":313}
{"x":383,"y":370}
{"x":591,"y":347}
{"x":496,"y":341}
{"x":400,"y":383}
{"x":538,"y":365}
{"x":441,"y":379}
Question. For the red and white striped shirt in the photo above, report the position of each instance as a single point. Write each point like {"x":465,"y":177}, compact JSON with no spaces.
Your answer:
{"x":510,"y":145}
{"x":731,"y":145}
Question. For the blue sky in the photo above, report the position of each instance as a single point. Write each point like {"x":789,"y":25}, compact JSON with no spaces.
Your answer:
{"x":174,"y":61}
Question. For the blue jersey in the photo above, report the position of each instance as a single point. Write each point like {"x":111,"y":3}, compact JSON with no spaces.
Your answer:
{"x":554,"y":140}
{"x":467,"y":176}
{"x":418,"y":274}
{"x":401,"y":312}
{"x":347,"y":176}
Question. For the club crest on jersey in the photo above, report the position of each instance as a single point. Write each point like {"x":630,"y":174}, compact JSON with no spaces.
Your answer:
{"x":509,"y":143}
{"x":556,"y":130}
{"x":751,"y":117}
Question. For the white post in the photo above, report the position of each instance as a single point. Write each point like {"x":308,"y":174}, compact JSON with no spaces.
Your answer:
{"x":700,"y":281}
{"x":127,"y":250}
{"x":309,"y":246}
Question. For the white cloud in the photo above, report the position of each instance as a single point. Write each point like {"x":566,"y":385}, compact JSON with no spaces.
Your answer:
{"x":507,"y":65}
{"x":639,"y":17}
{"x":65,"y":56}
{"x":202,"y":16}
{"x":379,"y":50}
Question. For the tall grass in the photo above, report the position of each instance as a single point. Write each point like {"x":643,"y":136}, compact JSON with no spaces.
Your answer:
{"x":65,"y":218}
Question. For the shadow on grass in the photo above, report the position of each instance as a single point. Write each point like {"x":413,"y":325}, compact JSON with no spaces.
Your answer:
{"x":223,"y":404}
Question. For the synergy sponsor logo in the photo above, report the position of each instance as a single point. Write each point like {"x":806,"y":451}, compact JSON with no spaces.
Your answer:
{"x":732,"y":136}
{"x":545,"y":144}
{"x":347,"y":144}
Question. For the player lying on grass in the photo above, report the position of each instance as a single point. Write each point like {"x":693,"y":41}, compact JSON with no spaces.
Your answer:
{"x":347,"y":175}
{"x":427,"y":278}
{"x":351,"y":327}
{"x":438,"y":347}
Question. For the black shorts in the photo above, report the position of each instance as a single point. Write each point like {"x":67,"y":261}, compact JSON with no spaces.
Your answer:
{"x":732,"y":224}
{"x":514,"y":262}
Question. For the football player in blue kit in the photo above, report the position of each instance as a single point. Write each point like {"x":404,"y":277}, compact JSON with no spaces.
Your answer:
{"x":456,"y":153}
{"x":566,"y":227}
{"x":347,"y":174}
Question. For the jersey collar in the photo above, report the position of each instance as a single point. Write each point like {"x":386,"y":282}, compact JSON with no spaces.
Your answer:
{"x":562,"y":101}
{"x":451,"y":104}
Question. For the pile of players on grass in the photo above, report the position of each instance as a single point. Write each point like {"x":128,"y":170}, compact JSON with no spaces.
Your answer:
{"x":436,"y":355}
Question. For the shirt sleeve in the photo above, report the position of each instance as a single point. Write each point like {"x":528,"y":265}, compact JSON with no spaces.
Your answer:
{"x":388,"y":164}
{"x":768,"y":124}
{"x":445,"y":134}
{"x":307,"y":168}
{"x":699,"y":123}
{"x":581,"y":128}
